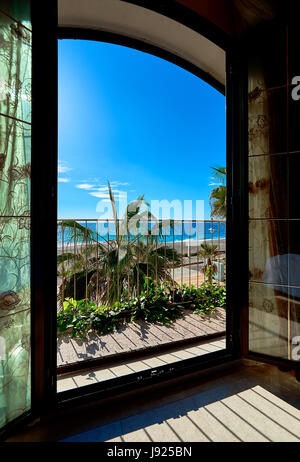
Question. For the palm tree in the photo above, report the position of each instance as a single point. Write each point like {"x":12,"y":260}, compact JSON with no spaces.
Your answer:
{"x":209,"y":252}
{"x":107,"y":270}
{"x":218,"y":194}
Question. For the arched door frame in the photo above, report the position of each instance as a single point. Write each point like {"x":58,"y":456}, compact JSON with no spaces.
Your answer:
{"x":44,"y":317}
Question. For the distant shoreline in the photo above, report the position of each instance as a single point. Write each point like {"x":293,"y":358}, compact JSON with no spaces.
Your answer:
{"x":185,"y":245}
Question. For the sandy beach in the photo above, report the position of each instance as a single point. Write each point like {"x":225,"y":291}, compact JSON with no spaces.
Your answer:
{"x":187,"y":246}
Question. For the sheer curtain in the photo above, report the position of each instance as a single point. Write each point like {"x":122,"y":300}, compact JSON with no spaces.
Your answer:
{"x":268,"y":237}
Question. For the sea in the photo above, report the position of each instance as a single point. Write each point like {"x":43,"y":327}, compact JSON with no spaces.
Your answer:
{"x":180,"y":231}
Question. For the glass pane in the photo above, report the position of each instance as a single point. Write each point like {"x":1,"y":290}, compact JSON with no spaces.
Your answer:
{"x":267,"y":60}
{"x":273,"y":198}
{"x":15,"y":149}
{"x":267,"y":120}
{"x":15,"y":62}
{"x":154,"y":271}
{"x":14,"y":317}
{"x":268,"y":197}
{"x":268,"y":320}
{"x":18,"y":10}
{"x":294,"y":203}
{"x":268,"y":251}
{"x":295,"y":322}
{"x":15,"y":168}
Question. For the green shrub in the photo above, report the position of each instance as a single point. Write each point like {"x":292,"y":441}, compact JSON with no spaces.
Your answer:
{"x":155,"y":304}
{"x":209,"y":297}
{"x":76,"y":315}
{"x":83,"y":315}
{"x":107,"y":319}
{"x":159,"y":302}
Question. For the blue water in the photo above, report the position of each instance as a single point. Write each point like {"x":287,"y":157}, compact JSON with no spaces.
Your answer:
{"x":180,"y":232}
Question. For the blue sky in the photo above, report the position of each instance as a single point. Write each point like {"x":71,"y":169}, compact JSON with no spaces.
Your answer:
{"x":144,"y":124}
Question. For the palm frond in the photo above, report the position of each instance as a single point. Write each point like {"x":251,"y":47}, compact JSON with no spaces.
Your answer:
{"x":105,"y":271}
{"x":114,"y":209}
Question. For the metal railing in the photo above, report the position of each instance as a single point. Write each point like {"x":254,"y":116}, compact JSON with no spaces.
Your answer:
{"x":104,"y":260}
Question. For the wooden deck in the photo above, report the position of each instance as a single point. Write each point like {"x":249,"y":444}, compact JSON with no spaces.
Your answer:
{"x":139,"y":336}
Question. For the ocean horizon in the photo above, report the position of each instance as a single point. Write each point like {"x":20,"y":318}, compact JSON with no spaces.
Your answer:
{"x":181,"y":232}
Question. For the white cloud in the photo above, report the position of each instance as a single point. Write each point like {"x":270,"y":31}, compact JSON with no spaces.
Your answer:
{"x":62,"y":167}
{"x":85,"y":186}
{"x":102,"y":188}
{"x":101,"y":191}
{"x":96,"y":185}
{"x":99,"y":194}
{"x":119,"y":194}
{"x":91,"y":187}
{"x":118,"y":183}
{"x":63,"y":180}
{"x":117,"y":191}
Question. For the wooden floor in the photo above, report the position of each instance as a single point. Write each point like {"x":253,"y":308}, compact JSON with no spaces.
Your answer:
{"x":147,"y":361}
{"x":139,"y":336}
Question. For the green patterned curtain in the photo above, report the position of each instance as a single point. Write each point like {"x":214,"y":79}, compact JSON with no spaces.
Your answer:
{"x":15,"y":151}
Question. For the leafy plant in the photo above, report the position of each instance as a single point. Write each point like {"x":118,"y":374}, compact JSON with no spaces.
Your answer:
{"x":102,"y":270}
{"x":75,"y":315}
{"x":155,"y":304}
{"x":211,"y":296}
{"x":218,"y":194}
{"x":159,"y":302}
{"x":105,"y":320}
{"x":209,"y":252}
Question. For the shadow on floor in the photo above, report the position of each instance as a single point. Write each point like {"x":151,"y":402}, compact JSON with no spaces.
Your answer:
{"x":242,"y":410}
{"x":245,"y":401}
